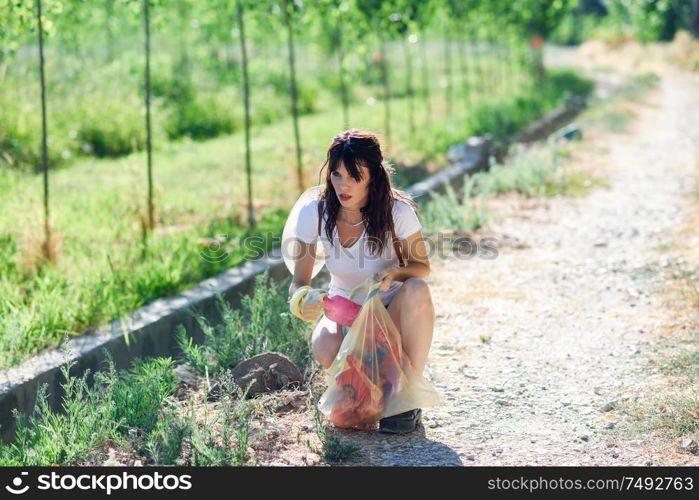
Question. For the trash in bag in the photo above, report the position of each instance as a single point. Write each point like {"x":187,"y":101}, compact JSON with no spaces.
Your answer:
{"x":372,"y":377}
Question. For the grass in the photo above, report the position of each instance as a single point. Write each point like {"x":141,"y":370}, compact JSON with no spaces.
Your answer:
{"x":333,"y":448}
{"x":263,"y":324}
{"x":449,"y":211}
{"x":56,"y":303}
{"x":535,"y":172}
{"x":530,"y":171}
{"x":102,"y":270}
{"x":99,"y":112}
{"x":686,"y":364}
{"x":138,"y":409}
{"x":218,"y":440}
{"x":681,"y":413}
{"x":672,"y":410}
{"x":609,"y":113}
{"x":116,"y":404}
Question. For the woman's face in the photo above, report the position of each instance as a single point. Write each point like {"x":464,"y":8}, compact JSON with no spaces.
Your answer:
{"x":344,"y":184}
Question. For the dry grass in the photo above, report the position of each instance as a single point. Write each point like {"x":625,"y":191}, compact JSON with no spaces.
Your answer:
{"x":39,"y":250}
{"x":670,"y":406}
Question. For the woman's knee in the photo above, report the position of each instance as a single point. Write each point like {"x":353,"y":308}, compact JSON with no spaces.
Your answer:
{"x":325,"y":343}
{"x":418,"y":290}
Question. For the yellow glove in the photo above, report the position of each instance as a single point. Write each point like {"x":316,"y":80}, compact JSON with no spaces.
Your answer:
{"x":295,"y":301}
{"x":306,"y":302}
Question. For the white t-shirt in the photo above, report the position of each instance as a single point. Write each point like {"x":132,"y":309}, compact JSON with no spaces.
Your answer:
{"x":349,"y":267}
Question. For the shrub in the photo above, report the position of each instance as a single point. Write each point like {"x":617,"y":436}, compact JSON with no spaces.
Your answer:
{"x":264,"y":324}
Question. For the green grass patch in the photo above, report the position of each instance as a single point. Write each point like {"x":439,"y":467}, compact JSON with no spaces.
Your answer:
{"x":51,"y":306}
{"x":219,"y":439}
{"x":449,"y":211}
{"x":115,"y":404}
{"x":333,"y":448}
{"x":536,"y":172}
{"x":263,"y":324}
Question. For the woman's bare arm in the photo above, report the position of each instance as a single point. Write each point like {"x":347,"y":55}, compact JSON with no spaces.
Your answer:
{"x":415,"y":251}
{"x":303,"y":269}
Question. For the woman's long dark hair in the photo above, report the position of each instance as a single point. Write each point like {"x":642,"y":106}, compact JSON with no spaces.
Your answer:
{"x":353,"y":148}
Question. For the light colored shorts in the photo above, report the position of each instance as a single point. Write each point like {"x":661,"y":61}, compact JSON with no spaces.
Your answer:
{"x":387,"y":296}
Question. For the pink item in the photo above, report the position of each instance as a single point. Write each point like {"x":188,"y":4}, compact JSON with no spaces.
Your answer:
{"x":341,"y":310}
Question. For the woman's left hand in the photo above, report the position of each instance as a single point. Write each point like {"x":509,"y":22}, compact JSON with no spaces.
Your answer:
{"x":388,"y":276}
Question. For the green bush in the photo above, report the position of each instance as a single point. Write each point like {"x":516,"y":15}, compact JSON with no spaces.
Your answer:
{"x":306,"y":90}
{"x":173,"y":90}
{"x":205,"y":117}
{"x":110,"y":127}
{"x":47,"y":438}
{"x":20,"y":137}
{"x":447,"y":211}
{"x":135,"y":397}
{"x":264,"y":323}
{"x":570,"y":81}
{"x":116,"y":404}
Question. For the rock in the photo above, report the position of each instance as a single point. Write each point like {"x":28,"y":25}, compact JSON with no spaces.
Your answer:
{"x":185,"y":374}
{"x":688,"y":444}
{"x":610,"y":425}
{"x":266,"y":372}
{"x":609,"y":406}
{"x":585,"y":438}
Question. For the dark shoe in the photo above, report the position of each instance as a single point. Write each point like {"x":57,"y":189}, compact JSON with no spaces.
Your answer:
{"x":403,"y":423}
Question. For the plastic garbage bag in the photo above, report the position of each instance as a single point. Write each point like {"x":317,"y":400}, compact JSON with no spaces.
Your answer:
{"x":372,"y":377}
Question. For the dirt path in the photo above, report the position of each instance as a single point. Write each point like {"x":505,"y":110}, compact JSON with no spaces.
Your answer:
{"x":571,"y":318}
{"x":572,"y":313}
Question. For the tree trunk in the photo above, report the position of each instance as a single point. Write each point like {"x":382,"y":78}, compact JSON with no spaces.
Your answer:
{"x":447,"y":68}
{"x":478,"y":61}
{"x":294,"y":94}
{"x":149,"y":147}
{"x":46,"y":247}
{"x":183,"y":70}
{"x":409,"y":88}
{"x":694,"y":22}
{"x":109,"y":14}
{"x":246,"y":101}
{"x":343,"y":86}
{"x":425,"y":77}
{"x":386,"y":91}
{"x":463,"y":68}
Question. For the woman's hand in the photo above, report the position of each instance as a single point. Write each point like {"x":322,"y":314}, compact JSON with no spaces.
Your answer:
{"x":388,"y":277}
{"x":312,"y":304}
